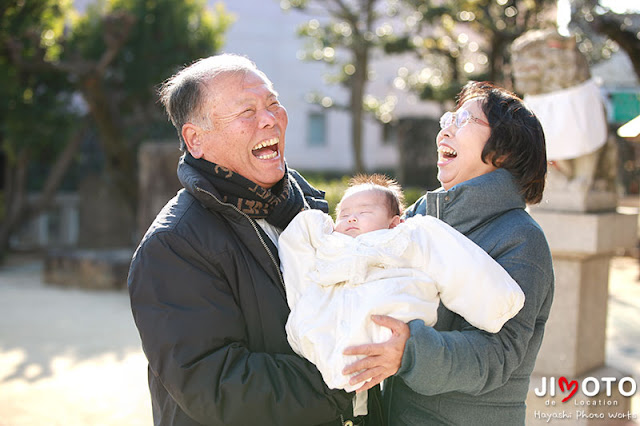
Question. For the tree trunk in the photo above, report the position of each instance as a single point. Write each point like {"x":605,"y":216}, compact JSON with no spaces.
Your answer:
{"x":18,"y":210}
{"x":15,"y":199}
{"x":119,"y":152}
{"x":359,"y":80}
{"x":357,"y":94}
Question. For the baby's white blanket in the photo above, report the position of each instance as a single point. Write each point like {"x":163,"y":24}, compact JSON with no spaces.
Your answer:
{"x":334,"y":283}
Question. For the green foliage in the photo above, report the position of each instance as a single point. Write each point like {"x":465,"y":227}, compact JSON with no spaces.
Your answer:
{"x":600,"y":32}
{"x":166,"y":36}
{"x":333,"y":188}
{"x":35,"y":115}
{"x":50,"y":56}
{"x":411,"y":194}
{"x":462,"y":40}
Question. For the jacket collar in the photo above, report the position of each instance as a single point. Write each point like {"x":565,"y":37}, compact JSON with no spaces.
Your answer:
{"x":476,"y":201}
{"x":204,"y":191}
{"x":192,"y":179}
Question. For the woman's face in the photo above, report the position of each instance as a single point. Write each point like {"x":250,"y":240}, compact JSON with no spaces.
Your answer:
{"x":460,"y":148}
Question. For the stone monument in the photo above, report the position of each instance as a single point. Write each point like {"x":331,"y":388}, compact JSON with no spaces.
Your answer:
{"x":107,"y":228}
{"x":578,"y":214}
{"x":556,"y":82}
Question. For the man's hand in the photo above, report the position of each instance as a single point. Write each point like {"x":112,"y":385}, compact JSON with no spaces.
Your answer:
{"x":382,"y":359}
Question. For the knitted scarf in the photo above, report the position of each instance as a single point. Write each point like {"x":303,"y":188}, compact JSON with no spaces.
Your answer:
{"x":278,"y":204}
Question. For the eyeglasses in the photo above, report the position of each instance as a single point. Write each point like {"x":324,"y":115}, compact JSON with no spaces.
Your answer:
{"x":460,"y":118}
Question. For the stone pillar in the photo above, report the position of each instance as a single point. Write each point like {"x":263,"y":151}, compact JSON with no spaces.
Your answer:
{"x":574,"y":343}
{"x":578,"y":215}
{"x":105,"y":220}
{"x":157,"y":180}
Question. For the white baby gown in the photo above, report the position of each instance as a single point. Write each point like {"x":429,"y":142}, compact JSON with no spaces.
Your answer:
{"x":334,"y":283}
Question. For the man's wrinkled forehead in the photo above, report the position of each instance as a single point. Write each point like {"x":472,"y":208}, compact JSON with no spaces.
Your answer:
{"x":238,"y":78}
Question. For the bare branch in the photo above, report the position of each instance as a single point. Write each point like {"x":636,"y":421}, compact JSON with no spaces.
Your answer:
{"x":58,"y":171}
{"x":117,"y":28}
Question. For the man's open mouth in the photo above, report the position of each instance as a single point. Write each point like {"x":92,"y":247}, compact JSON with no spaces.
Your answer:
{"x":266,"y":150}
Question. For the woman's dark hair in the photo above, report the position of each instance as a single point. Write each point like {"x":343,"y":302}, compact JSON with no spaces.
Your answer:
{"x":517,"y":141}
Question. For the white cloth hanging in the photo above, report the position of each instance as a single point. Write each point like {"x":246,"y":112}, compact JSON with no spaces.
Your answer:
{"x":573,"y":120}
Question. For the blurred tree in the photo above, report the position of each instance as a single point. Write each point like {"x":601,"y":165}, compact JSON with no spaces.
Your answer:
{"x":114,"y":56}
{"x":344,"y":36}
{"x":601,"y":32}
{"x":457,"y":41}
{"x":37,"y":123}
{"x":464,"y":40}
{"x":118,"y":53}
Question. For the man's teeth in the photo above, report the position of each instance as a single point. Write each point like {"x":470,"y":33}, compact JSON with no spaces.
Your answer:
{"x":273,"y":154}
{"x":270,"y":142}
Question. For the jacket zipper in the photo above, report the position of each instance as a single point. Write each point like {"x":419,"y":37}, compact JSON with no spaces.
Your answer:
{"x":253,"y":225}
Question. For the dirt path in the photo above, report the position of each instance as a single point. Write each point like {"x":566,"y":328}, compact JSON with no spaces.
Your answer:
{"x":68,"y":357}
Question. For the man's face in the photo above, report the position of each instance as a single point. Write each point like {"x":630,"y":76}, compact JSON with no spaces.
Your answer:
{"x":248,"y":125}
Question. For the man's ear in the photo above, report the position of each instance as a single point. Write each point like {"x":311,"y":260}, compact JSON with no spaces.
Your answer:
{"x":395,"y":221}
{"x":191,"y":135}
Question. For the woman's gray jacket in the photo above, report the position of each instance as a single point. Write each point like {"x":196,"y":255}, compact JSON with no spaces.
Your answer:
{"x":209,"y":303}
{"x":453,"y":373}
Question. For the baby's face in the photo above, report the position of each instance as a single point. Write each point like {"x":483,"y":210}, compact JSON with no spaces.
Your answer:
{"x":363,"y":211}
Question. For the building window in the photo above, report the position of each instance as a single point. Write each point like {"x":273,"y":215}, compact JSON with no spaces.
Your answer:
{"x":317,"y":128}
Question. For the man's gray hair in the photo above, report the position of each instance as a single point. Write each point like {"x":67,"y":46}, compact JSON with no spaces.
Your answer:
{"x":183,"y":95}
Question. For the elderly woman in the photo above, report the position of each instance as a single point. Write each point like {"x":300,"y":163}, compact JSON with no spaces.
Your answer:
{"x":491,"y":163}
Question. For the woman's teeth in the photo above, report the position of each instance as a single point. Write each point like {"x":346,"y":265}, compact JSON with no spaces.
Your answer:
{"x":448,"y":152}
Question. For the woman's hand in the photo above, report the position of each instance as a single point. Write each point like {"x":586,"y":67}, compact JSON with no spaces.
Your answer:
{"x":382,"y":359}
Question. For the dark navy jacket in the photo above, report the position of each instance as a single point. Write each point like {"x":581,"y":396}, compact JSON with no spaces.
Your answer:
{"x":209,"y":303}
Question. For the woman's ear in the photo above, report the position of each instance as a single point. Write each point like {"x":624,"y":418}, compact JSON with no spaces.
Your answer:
{"x":192,"y":135}
{"x":500,"y":160}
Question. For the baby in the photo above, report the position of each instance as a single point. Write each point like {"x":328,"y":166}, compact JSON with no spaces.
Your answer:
{"x":371,"y":262}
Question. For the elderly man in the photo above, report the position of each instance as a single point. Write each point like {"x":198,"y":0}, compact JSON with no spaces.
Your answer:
{"x":206,"y":290}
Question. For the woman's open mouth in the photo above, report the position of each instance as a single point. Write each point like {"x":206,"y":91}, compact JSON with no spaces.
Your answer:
{"x":446,"y":153}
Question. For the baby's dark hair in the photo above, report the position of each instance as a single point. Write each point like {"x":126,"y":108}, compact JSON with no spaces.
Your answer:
{"x":388,"y":187}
